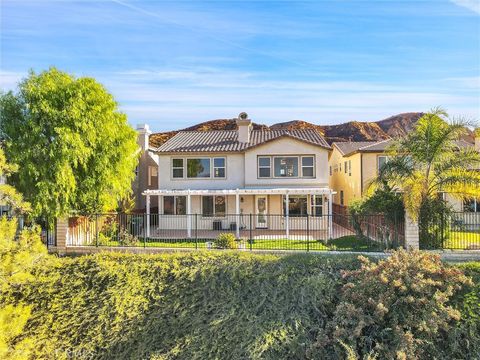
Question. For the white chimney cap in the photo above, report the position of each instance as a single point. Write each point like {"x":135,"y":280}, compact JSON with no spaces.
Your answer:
{"x":144,"y":127}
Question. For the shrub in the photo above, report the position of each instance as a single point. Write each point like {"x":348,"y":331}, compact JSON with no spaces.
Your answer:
{"x":464,"y":340}
{"x":396,"y":308}
{"x":225,"y":241}
{"x":185,"y":306}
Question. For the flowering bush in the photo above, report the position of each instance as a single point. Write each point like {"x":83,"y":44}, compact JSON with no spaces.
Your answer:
{"x":396,"y":308}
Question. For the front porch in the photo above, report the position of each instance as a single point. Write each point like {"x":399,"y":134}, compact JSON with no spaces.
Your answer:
{"x":276,"y":212}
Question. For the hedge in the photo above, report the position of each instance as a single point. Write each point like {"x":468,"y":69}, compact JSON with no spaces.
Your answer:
{"x":201,"y":305}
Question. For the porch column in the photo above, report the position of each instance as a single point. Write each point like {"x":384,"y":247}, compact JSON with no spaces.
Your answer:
{"x":148,"y":215}
{"x":189,"y":214}
{"x":237,"y":211}
{"x":287,"y":211}
{"x":330,"y":215}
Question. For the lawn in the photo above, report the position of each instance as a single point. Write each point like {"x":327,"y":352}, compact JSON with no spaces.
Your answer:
{"x":345,"y":243}
{"x":463,"y":240}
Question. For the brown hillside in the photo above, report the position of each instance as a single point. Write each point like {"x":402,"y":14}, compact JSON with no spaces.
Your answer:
{"x":397,"y":125}
{"x":158,"y":139}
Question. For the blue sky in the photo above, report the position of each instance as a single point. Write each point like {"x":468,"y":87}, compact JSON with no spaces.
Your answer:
{"x":175,"y":63}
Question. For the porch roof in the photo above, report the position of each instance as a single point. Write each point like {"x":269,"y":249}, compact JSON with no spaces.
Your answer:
{"x":243,"y":191}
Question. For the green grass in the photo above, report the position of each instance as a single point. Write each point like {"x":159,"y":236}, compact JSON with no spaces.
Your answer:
{"x":463,"y":240}
{"x":345,"y":243}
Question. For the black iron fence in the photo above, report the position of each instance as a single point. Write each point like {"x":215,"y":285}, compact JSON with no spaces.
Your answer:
{"x":251,"y":231}
{"x":454,"y":231}
{"x":48,"y":229}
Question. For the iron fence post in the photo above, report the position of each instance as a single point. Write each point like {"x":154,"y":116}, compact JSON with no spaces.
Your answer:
{"x":250,"y":240}
{"x":196,"y":231}
{"x":144,"y":229}
{"x":308,"y":232}
{"x":96,"y":230}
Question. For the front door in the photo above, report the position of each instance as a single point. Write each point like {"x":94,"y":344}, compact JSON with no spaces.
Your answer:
{"x":261,"y":211}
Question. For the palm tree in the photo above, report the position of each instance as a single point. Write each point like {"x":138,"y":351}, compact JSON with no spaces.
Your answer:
{"x":428,"y":162}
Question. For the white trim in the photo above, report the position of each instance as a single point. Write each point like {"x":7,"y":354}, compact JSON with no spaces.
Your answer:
{"x":245,"y":191}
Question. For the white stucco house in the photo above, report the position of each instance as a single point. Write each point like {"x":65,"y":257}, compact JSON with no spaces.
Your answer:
{"x":279,"y":177}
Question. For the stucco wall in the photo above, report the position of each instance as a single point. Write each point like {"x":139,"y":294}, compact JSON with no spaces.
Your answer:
{"x":341,"y":181}
{"x":286,"y":146}
{"x":370,"y":168}
{"x":234,"y":173}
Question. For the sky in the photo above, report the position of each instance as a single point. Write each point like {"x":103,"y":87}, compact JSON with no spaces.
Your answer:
{"x":172,"y":64}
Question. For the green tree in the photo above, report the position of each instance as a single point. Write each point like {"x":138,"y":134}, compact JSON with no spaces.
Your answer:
{"x":76,"y":150}
{"x":8,"y":195}
{"x":428,"y":162}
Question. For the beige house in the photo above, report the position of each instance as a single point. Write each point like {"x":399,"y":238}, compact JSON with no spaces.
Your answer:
{"x":147,"y":170}
{"x":353,"y":165}
{"x":279,"y":177}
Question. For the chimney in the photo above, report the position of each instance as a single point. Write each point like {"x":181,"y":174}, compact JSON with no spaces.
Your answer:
{"x":244,"y":127}
{"x":477,"y":139}
{"x":143,"y":131}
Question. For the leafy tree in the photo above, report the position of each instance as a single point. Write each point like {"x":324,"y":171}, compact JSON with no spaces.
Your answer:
{"x":76,"y":150}
{"x":428,"y":162}
{"x":8,"y":195}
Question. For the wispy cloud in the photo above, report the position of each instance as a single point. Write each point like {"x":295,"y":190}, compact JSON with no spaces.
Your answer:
{"x":10,"y":79}
{"x":473,"y":5}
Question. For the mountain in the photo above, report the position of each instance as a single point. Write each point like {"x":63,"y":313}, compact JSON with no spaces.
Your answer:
{"x":394,"y":126}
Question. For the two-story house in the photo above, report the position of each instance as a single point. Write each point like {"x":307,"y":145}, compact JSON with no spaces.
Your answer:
{"x":279,"y":177}
{"x":353,"y":165}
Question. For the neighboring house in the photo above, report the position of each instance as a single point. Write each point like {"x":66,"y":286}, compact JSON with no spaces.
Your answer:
{"x":147,"y":170}
{"x":279,"y":176}
{"x":353,"y":165}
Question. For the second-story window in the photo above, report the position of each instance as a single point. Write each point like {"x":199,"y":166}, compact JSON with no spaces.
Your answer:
{"x":219,"y":167}
{"x":349,"y":167}
{"x":264,"y":167}
{"x":177,"y":168}
{"x":382,"y":160}
{"x":285,"y":166}
{"x":198,"y":168}
{"x":307,"y":166}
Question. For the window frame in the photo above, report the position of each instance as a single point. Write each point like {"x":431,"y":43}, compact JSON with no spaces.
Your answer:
{"x":308,"y":166}
{"x":150,"y":175}
{"x":378,"y":161}
{"x":349,"y":167}
{"x":300,"y":167}
{"x":224,"y":167}
{"x":476,"y":206}
{"x":214,"y":215}
{"x":284,"y":204}
{"x":284,"y":157}
{"x":175,"y":207}
{"x":177,"y":167}
{"x":269,"y":167}
{"x":314,"y":205}
{"x":200,"y":158}
{"x":342,"y":198}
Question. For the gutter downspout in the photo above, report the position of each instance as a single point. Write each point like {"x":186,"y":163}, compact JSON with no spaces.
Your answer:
{"x":361,"y":174}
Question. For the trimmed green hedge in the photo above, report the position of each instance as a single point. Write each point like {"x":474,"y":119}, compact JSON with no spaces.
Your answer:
{"x":193,"y":306}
